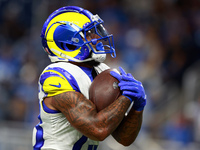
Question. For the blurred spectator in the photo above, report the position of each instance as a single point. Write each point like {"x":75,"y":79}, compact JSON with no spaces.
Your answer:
{"x":179,"y":128}
{"x":16,"y":110}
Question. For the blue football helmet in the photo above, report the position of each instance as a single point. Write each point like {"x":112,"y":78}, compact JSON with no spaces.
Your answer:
{"x":74,"y":34}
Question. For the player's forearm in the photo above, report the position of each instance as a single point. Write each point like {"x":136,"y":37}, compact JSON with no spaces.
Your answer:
{"x":129,"y":128}
{"x":103,"y":123}
{"x":82,"y":114}
{"x":112,"y":115}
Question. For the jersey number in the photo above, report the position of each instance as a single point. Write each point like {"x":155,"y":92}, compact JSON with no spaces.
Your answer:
{"x":81,"y":141}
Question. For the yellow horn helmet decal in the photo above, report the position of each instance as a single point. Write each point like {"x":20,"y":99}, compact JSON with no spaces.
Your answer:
{"x":73,"y":17}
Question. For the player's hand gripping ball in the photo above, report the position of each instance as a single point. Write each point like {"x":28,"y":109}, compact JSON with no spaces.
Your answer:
{"x":131,"y":88}
{"x":104,"y":90}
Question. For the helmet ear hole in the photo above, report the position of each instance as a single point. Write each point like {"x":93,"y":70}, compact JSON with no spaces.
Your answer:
{"x":68,"y":46}
{"x":71,"y":47}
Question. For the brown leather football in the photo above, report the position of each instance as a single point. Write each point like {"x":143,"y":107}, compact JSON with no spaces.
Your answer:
{"x":104,"y":90}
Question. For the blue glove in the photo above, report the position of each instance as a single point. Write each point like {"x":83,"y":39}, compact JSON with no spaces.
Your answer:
{"x":131,"y":88}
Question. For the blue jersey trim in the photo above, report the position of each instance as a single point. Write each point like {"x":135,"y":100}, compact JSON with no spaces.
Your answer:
{"x":39,"y":136}
{"x":88,"y":71}
{"x":48,"y":110}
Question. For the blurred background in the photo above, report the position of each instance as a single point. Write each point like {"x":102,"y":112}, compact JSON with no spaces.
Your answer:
{"x":158,"y":41}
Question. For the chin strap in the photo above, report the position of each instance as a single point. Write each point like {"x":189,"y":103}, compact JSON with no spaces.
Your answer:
{"x":96,"y":57}
{"x":99,"y":57}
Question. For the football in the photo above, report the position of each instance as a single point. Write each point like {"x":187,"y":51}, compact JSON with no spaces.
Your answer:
{"x":104,"y":90}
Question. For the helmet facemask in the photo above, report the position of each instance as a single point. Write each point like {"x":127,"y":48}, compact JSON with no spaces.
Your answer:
{"x":102,"y":43}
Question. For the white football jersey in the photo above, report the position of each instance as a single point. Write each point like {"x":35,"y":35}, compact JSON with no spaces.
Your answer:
{"x":54,"y":132}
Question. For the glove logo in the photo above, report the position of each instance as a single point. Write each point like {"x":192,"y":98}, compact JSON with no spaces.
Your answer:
{"x":115,"y":85}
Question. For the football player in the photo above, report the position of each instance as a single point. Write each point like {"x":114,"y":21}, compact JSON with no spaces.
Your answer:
{"x":77,"y":43}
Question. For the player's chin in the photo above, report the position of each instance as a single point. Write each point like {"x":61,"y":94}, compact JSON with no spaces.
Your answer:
{"x":93,"y":63}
